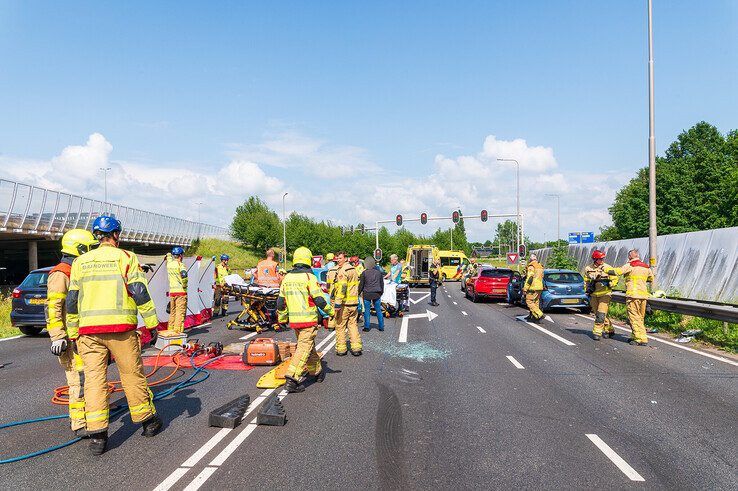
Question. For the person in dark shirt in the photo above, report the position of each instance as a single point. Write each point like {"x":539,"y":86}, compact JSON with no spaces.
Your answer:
{"x":371,"y":286}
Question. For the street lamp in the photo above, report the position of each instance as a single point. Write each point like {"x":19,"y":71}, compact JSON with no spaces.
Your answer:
{"x":558,"y":217}
{"x":284,"y":233}
{"x":105,"y":179}
{"x":199,"y":223}
{"x":652,"y":232}
{"x":517,"y":201}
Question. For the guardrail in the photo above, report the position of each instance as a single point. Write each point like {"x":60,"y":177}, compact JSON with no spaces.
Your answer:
{"x":695,"y":308}
{"x":31,"y":210}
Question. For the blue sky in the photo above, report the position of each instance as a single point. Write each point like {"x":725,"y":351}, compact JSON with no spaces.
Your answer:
{"x":388,"y":105}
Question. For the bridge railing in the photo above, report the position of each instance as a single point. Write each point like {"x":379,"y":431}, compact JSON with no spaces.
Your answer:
{"x":32,"y":210}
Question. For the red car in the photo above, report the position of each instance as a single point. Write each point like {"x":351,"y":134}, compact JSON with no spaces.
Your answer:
{"x":488,"y":282}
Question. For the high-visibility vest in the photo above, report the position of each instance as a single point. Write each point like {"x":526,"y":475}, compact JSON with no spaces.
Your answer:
{"x":534,"y":276}
{"x":56,"y":297}
{"x":266,"y":273}
{"x":607,"y":281}
{"x":177,"y":277}
{"x":221,"y":271}
{"x":330,"y":280}
{"x":347,"y":286}
{"x":106,"y":290}
{"x":637,"y":274}
{"x":298,"y":292}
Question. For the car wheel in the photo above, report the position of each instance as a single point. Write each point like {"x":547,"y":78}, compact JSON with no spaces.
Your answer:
{"x":475,"y":297}
{"x":31,"y":330}
{"x":466,"y":293}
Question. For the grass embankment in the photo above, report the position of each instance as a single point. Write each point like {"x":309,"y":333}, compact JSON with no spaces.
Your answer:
{"x":712,"y":331}
{"x":6,"y":330}
{"x":241,"y":257}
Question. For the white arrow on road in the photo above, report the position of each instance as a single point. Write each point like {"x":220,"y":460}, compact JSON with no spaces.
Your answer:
{"x":403,"y":328}
{"x":414,"y":301}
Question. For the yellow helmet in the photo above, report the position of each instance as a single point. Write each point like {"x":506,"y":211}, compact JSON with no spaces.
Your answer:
{"x":302,"y":255}
{"x":329,"y":256}
{"x":78,"y":241}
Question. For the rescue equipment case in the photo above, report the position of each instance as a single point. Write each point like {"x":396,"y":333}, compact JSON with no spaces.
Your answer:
{"x":261,"y":351}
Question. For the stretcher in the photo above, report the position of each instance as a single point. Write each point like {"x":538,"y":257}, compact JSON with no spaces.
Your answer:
{"x":395,"y":299}
{"x":259,"y":312}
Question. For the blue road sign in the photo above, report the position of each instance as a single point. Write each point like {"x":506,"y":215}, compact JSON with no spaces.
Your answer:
{"x":575,"y":238}
{"x":588,"y":237}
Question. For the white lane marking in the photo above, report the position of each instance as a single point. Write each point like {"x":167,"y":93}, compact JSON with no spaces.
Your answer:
{"x":456,"y":303}
{"x":685,"y":348}
{"x":204,"y":325}
{"x":249,"y":336}
{"x":12,"y":337}
{"x":235,"y":443}
{"x":175,"y":476}
{"x":615,"y":458}
{"x":414,"y":301}
{"x":406,"y":319}
{"x":515,"y":362}
{"x":549,"y":319}
{"x":463,"y":312}
{"x":449,"y":296}
{"x":200,"y":479}
{"x":546,"y":331}
{"x":481,"y":330}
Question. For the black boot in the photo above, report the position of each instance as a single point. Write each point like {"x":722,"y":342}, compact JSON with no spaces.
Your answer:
{"x":293,"y":385}
{"x":356,"y":353}
{"x":81,"y":433}
{"x":152,"y":426}
{"x":98,"y":443}
{"x":321,"y":376}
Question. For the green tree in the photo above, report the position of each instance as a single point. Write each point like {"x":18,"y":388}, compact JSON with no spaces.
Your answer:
{"x":560,"y":259}
{"x":256,"y":225}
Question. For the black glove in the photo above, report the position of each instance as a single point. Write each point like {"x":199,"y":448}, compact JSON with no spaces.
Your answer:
{"x":154,"y":336}
{"x":58,"y":347}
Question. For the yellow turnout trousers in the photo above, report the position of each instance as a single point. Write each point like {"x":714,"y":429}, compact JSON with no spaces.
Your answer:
{"x":533,"y":300}
{"x":636,"y":316}
{"x":600,"y":306}
{"x":346,"y":321}
{"x":306,"y":359}
{"x":125,"y":348}
{"x":177,"y":313}
{"x":72,"y":365}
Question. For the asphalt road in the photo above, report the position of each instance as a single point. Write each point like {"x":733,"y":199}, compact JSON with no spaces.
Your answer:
{"x":473,"y":399}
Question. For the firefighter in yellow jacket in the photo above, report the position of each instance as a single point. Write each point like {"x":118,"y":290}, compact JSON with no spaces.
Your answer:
{"x":107,"y":289}
{"x":177,"y":273}
{"x":598,"y":285}
{"x":74,"y":243}
{"x":330,"y":280}
{"x":346,"y":302}
{"x":299,"y":299}
{"x":637,"y":276}
{"x":532,"y":289}
{"x":220,"y":299}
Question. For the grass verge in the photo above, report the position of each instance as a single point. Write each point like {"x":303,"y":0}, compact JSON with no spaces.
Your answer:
{"x":6,"y":330}
{"x":241,"y":257}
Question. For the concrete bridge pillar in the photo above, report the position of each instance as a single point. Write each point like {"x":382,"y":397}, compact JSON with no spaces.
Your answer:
{"x":32,"y":255}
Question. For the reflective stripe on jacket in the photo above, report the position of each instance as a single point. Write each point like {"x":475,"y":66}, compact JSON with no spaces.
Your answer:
{"x":330,"y":280}
{"x":534,"y":276}
{"x":177,"y":277}
{"x":56,"y":297}
{"x":607,"y":281}
{"x":298,"y":295}
{"x":347,"y":286}
{"x":221,"y":272}
{"x":266,"y":273}
{"x":106,"y":290}
{"x":637,"y":274}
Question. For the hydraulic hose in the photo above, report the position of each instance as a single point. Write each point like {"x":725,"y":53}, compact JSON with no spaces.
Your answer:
{"x":188,"y":382}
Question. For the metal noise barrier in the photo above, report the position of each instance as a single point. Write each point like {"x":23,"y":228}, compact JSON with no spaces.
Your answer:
{"x":695,"y":308}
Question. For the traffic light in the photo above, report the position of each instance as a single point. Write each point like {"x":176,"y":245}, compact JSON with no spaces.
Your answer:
{"x":455,"y":217}
{"x":361,"y":228}
{"x":484,"y":215}
{"x":423,"y":218}
{"x":398,"y":220}
{"x":352,"y":230}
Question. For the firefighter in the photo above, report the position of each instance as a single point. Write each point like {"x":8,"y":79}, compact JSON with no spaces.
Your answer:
{"x":107,"y":288}
{"x":220,"y":299}
{"x":346,"y":301}
{"x":74,"y":243}
{"x":266,"y":271}
{"x":330,"y":262}
{"x":598,"y":285}
{"x":532,"y":288}
{"x":299,"y":299}
{"x":637,"y":276}
{"x":177,"y":290}
{"x":330,"y":280}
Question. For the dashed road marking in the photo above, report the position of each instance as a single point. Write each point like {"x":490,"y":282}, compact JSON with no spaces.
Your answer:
{"x":515,"y":362}
{"x":249,"y":336}
{"x":463,"y":312}
{"x":481,"y":330}
{"x":685,"y":348}
{"x":615,"y":458}
{"x":456,"y":303}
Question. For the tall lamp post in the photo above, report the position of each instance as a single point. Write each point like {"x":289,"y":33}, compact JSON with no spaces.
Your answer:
{"x":284,"y":233}
{"x":558,"y":217}
{"x":652,"y":232}
{"x":517,"y":201}
{"x":105,"y":179}
{"x":199,"y":223}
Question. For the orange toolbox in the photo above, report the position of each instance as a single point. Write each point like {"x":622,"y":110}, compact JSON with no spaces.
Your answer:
{"x":261,"y":351}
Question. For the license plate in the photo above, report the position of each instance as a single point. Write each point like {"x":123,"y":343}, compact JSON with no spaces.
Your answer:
{"x":570,"y":300}
{"x":36,"y":301}
{"x":499,"y":291}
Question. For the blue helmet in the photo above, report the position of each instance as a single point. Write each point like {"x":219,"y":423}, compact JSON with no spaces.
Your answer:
{"x":177,"y":251}
{"x":224,"y":257}
{"x":106,"y":225}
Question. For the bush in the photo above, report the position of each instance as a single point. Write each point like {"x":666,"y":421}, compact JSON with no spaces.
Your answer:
{"x":560,"y":259}
{"x":6,"y":330}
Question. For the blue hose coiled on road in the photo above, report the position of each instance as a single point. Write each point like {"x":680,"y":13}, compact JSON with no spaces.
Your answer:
{"x":115,"y":412}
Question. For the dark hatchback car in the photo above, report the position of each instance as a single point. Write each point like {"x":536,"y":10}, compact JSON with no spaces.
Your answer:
{"x":562,"y":288}
{"x":28,"y":311}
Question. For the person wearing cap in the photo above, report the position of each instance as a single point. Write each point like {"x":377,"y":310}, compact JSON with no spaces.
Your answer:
{"x":598,"y":285}
{"x":177,"y":273}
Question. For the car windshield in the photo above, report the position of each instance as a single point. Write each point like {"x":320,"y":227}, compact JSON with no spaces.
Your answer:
{"x":495,"y":273}
{"x":564,"y":277}
{"x":35,"y":280}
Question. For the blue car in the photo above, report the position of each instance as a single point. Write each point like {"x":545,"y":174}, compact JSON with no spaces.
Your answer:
{"x":562,"y":288}
{"x":28,"y":312}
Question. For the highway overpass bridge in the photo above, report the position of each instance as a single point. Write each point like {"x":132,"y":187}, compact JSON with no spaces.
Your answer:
{"x":33,"y":219}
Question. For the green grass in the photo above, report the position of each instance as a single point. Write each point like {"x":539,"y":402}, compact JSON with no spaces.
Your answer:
{"x":241,"y":257}
{"x":712,"y":331}
{"x":6,"y":330}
